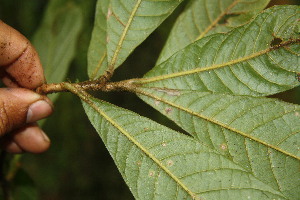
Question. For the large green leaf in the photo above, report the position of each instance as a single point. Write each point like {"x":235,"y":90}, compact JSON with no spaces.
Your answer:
{"x":130,"y":22}
{"x":246,"y":61}
{"x":97,"y":57}
{"x":56,"y":39}
{"x":259,"y":134}
{"x":204,"y":17}
{"x":158,"y":163}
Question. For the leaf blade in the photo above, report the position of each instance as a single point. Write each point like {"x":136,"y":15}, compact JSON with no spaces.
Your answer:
{"x":97,"y":56}
{"x":227,"y":123}
{"x":207,"y":107}
{"x":158,"y":153}
{"x":202,"y":18}
{"x":131,"y":22}
{"x":230,"y":63}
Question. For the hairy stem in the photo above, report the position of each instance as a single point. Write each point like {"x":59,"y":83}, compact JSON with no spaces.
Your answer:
{"x":95,"y":85}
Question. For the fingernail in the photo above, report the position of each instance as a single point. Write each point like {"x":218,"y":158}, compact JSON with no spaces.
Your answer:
{"x":46,"y":138}
{"x":38,"y":110}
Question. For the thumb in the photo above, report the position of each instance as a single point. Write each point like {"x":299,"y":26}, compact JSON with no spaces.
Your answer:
{"x":19,"y":106}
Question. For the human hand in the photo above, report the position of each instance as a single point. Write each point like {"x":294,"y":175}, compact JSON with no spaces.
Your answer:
{"x":20,"y":107}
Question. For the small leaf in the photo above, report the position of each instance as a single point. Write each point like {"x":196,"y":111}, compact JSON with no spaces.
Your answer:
{"x":130,"y":22}
{"x":259,"y":134}
{"x":241,"y":62}
{"x":158,"y":163}
{"x":205,"y":17}
{"x":97,"y":57}
{"x":56,"y":39}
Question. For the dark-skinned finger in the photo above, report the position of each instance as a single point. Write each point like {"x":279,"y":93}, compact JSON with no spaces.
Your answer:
{"x":8,"y":145}
{"x":19,"y":61}
{"x":19,"y":106}
{"x":30,"y":139}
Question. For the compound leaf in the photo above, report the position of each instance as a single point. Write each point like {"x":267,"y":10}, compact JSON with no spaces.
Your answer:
{"x":258,"y":59}
{"x":130,"y":22}
{"x":197,"y":88}
{"x":205,"y":17}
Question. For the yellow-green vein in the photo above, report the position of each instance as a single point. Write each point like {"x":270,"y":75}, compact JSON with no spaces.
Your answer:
{"x":96,"y":70}
{"x":213,"y":24}
{"x":139,"y":91}
{"x":216,"y":66}
{"x":124,"y":33}
{"x":87,"y":98}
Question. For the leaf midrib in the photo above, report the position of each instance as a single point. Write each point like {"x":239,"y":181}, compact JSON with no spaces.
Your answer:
{"x":87,"y":98}
{"x":139,"y":91}
{"x":124,"y":33}
{"x":215,"y":66}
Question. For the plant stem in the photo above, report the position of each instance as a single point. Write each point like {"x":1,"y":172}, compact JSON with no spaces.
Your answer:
{"x":95,"y":85}
{"x":50,"y":88}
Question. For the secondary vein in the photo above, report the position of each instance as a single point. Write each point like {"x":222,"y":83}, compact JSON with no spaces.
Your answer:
{"x":216,"y":66}
{"x":215,"y":122}
{"x":213,"y":24}
{"x":87,"y":98}
{"x":96,"y":70}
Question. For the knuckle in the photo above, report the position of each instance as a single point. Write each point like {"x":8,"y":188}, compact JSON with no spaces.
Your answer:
{"x":12,"y":44}
{"x":5,"y":123}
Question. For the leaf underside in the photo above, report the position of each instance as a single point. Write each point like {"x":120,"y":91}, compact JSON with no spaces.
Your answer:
{"x":158,"y":163}
{"x":259,"y":134}
{"x":97,"y":56}
{"x":120,"y":26}
{"x":244,"y":61}
{"x":129,"y":22}
{"x":240,"y":147}
{"x":205,"y":17}
{"x":256,"y":133}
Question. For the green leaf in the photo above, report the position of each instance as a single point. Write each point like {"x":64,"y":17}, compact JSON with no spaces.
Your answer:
{"x":97,"y":57}
{"x":257,"y":133}
{"x":257,"y":59}
{"x":158,"y":163}
{"x":130,"y":22}
{"x":205,"y":17}
{"x":56,"y":39}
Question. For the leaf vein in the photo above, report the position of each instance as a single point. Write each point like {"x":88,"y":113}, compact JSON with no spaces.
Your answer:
{"x":140,"y":146}
{"x":124,"y":33}
{"x":214,"y":121}
{"x":213,"y":23}
{"x":212,"y":67}
{"x":272,"y":170}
